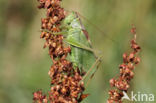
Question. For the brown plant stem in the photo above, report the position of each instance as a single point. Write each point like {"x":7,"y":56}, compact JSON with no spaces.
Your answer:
{"x":122,"y":82}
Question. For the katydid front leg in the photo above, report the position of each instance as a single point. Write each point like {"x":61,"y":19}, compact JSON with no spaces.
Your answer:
{"x":55,"y":33}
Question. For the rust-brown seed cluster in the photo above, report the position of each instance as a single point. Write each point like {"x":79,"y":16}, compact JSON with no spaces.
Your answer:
{"x":66,"y":81}
{"x":122,"y":83}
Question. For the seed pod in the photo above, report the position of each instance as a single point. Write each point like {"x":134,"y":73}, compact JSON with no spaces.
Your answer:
{"x":42,"y":35}
{"x":122,"y":66}
{"x":112,"y":82}
{"x":55,"y":18}
{"x":137,"y":60}
{"x":47,"y":3}
{"x":131,"y":57}
{"x":130,"y":66}
{"x":82,"y":97}
{"x":63,"y":90}
{"x":125,"y":58}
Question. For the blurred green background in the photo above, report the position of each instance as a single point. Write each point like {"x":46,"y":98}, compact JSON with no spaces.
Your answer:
{"x":24,"y":64}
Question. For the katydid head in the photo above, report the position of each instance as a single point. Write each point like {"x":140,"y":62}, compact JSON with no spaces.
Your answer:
{"x":72,"y":20}
{"x":69,"y":18}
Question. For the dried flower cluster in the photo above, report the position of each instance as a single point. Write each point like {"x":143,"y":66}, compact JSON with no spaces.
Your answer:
{"x":66,"y":82}
{"x":122,"y":82}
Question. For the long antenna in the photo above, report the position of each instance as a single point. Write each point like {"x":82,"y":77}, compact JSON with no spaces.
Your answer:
{"x":98,"y":29}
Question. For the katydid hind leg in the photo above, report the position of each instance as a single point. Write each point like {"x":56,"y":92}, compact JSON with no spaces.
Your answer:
{"x":96,"y":63}
{"x":92,"y":75}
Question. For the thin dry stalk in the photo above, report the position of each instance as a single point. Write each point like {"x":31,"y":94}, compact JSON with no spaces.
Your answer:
{"x":122,"y":82}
